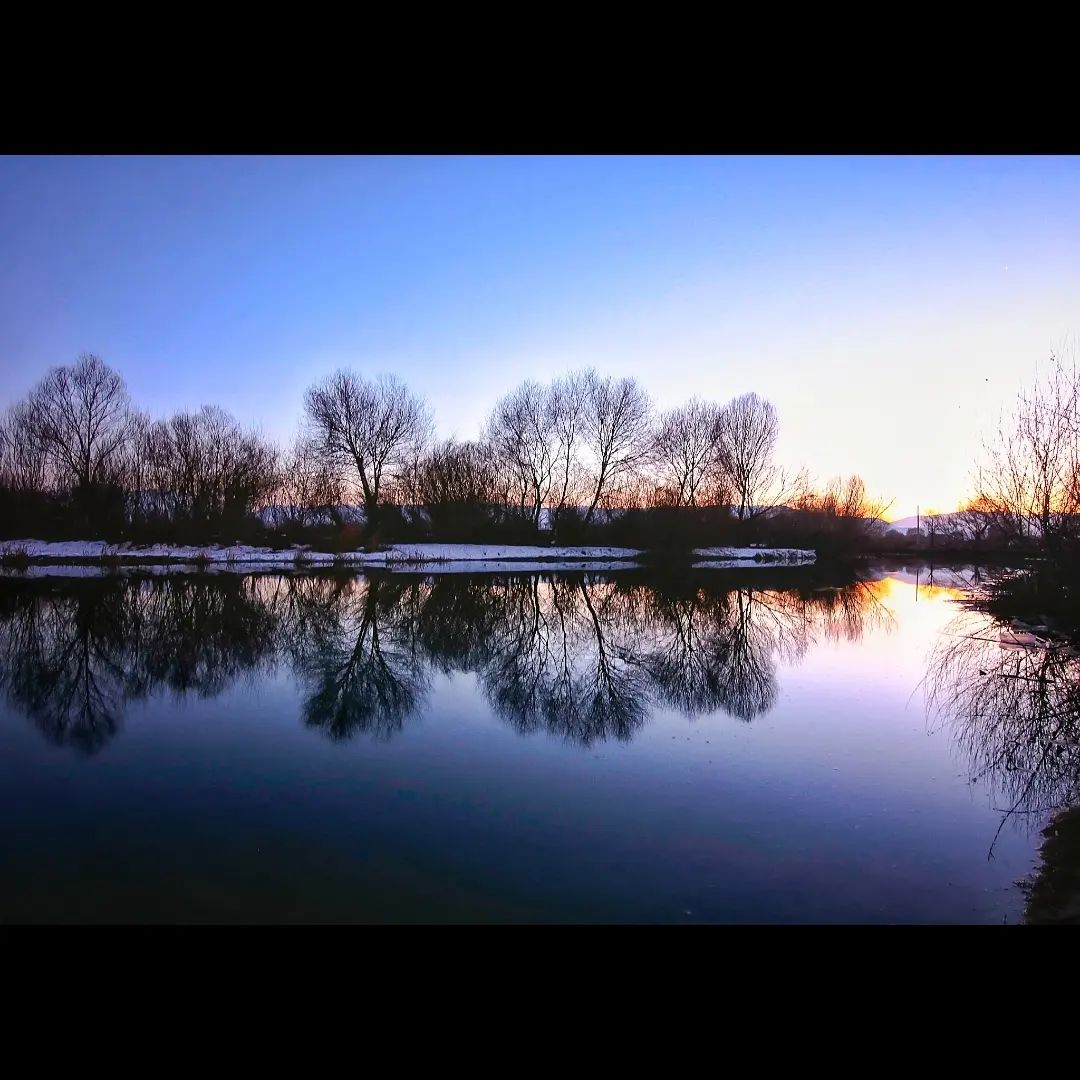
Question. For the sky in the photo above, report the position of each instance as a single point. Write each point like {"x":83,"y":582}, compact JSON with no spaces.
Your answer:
{"x":888,"y":307}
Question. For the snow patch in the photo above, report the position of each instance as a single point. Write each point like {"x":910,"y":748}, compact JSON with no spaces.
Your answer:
{"x":460,"y":558}
{"x":756,"y":554}
{"x":398,"y":554}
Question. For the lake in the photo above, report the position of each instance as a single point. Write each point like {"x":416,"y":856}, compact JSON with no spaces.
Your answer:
{"x":769,"y":745}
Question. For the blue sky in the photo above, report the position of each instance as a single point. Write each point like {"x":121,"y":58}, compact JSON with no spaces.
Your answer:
{"x":888,"y":306}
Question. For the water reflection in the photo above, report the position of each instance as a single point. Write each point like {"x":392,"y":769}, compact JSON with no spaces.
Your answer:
{"x":585,"y":657}
{"x":560,"y":656}
{"x":1012,"y":705}
{"x":354,"y":648}
{"x":76,"y":654}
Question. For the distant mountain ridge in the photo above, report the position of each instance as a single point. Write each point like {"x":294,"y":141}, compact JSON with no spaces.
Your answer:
{"x":909,"y":522}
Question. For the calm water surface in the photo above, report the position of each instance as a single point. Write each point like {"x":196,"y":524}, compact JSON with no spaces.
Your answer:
{"x":725,"y":746}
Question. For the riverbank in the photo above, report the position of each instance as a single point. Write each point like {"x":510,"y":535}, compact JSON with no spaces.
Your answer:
{"x":20,"y":555}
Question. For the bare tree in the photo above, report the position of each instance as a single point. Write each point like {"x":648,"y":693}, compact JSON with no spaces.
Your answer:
{"x":456,"y":473}
{"x":522,"y":434}
{"x":568,"y":416}
{"x":371,"y":428}
{"x":839,"y":498}
{"x":617,"y":429}
{"x":573,"y":440}
{"x":842,"y":505}
{"x":976,"y":520}
{"x":1030,"y":481}
{"x":457,"y":483}
{"x":133,"y":467}
{"x":204,"y":469}
{"x":748,"y":431}
{"x":932,"y":522}
{"x":23,"y":455}
{"x":310,"y":488}
{"x":689,"y":451}
{"x":79,"y":415}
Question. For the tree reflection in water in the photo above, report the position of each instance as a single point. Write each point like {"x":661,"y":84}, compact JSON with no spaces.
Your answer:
{"x":356,"y":653}
{"x":558,"y":658}
{"x":585,"y":657}
{"x":61,"y":665}
{"x":76,"y":652}
{"x":1013,"y":711}
{"x":718,"y":651}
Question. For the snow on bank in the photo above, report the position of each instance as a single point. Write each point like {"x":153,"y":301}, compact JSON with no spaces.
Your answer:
{"x":738,"y":564}
{"x":516,"y":566}
{"x":95,"y":550}
{"x":459,"y":558}
{"x":473,"y":566}
{"x":449,"y":553}
{"x":398,"y":554}
{"x":736,"y":556}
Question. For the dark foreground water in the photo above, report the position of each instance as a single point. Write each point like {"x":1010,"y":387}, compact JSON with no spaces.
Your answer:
{"x":744,"y":746}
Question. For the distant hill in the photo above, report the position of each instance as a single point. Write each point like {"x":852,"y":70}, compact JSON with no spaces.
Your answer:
{"x":903,"y":524}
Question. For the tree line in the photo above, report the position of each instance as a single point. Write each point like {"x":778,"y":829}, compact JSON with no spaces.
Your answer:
{"x":585,"y":455}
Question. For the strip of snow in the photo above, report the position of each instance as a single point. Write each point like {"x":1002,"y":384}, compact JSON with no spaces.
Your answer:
{"x":740,"y":564}
{"x":423,"y":553}
{"x":159,"y":569}
{"x":480,"y":557}
{"x":474,"y":566}
{"x":411,"y":554}
{"x":758,"y":554}
{"x":84,"y":550}
{"x":510,"y":566}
